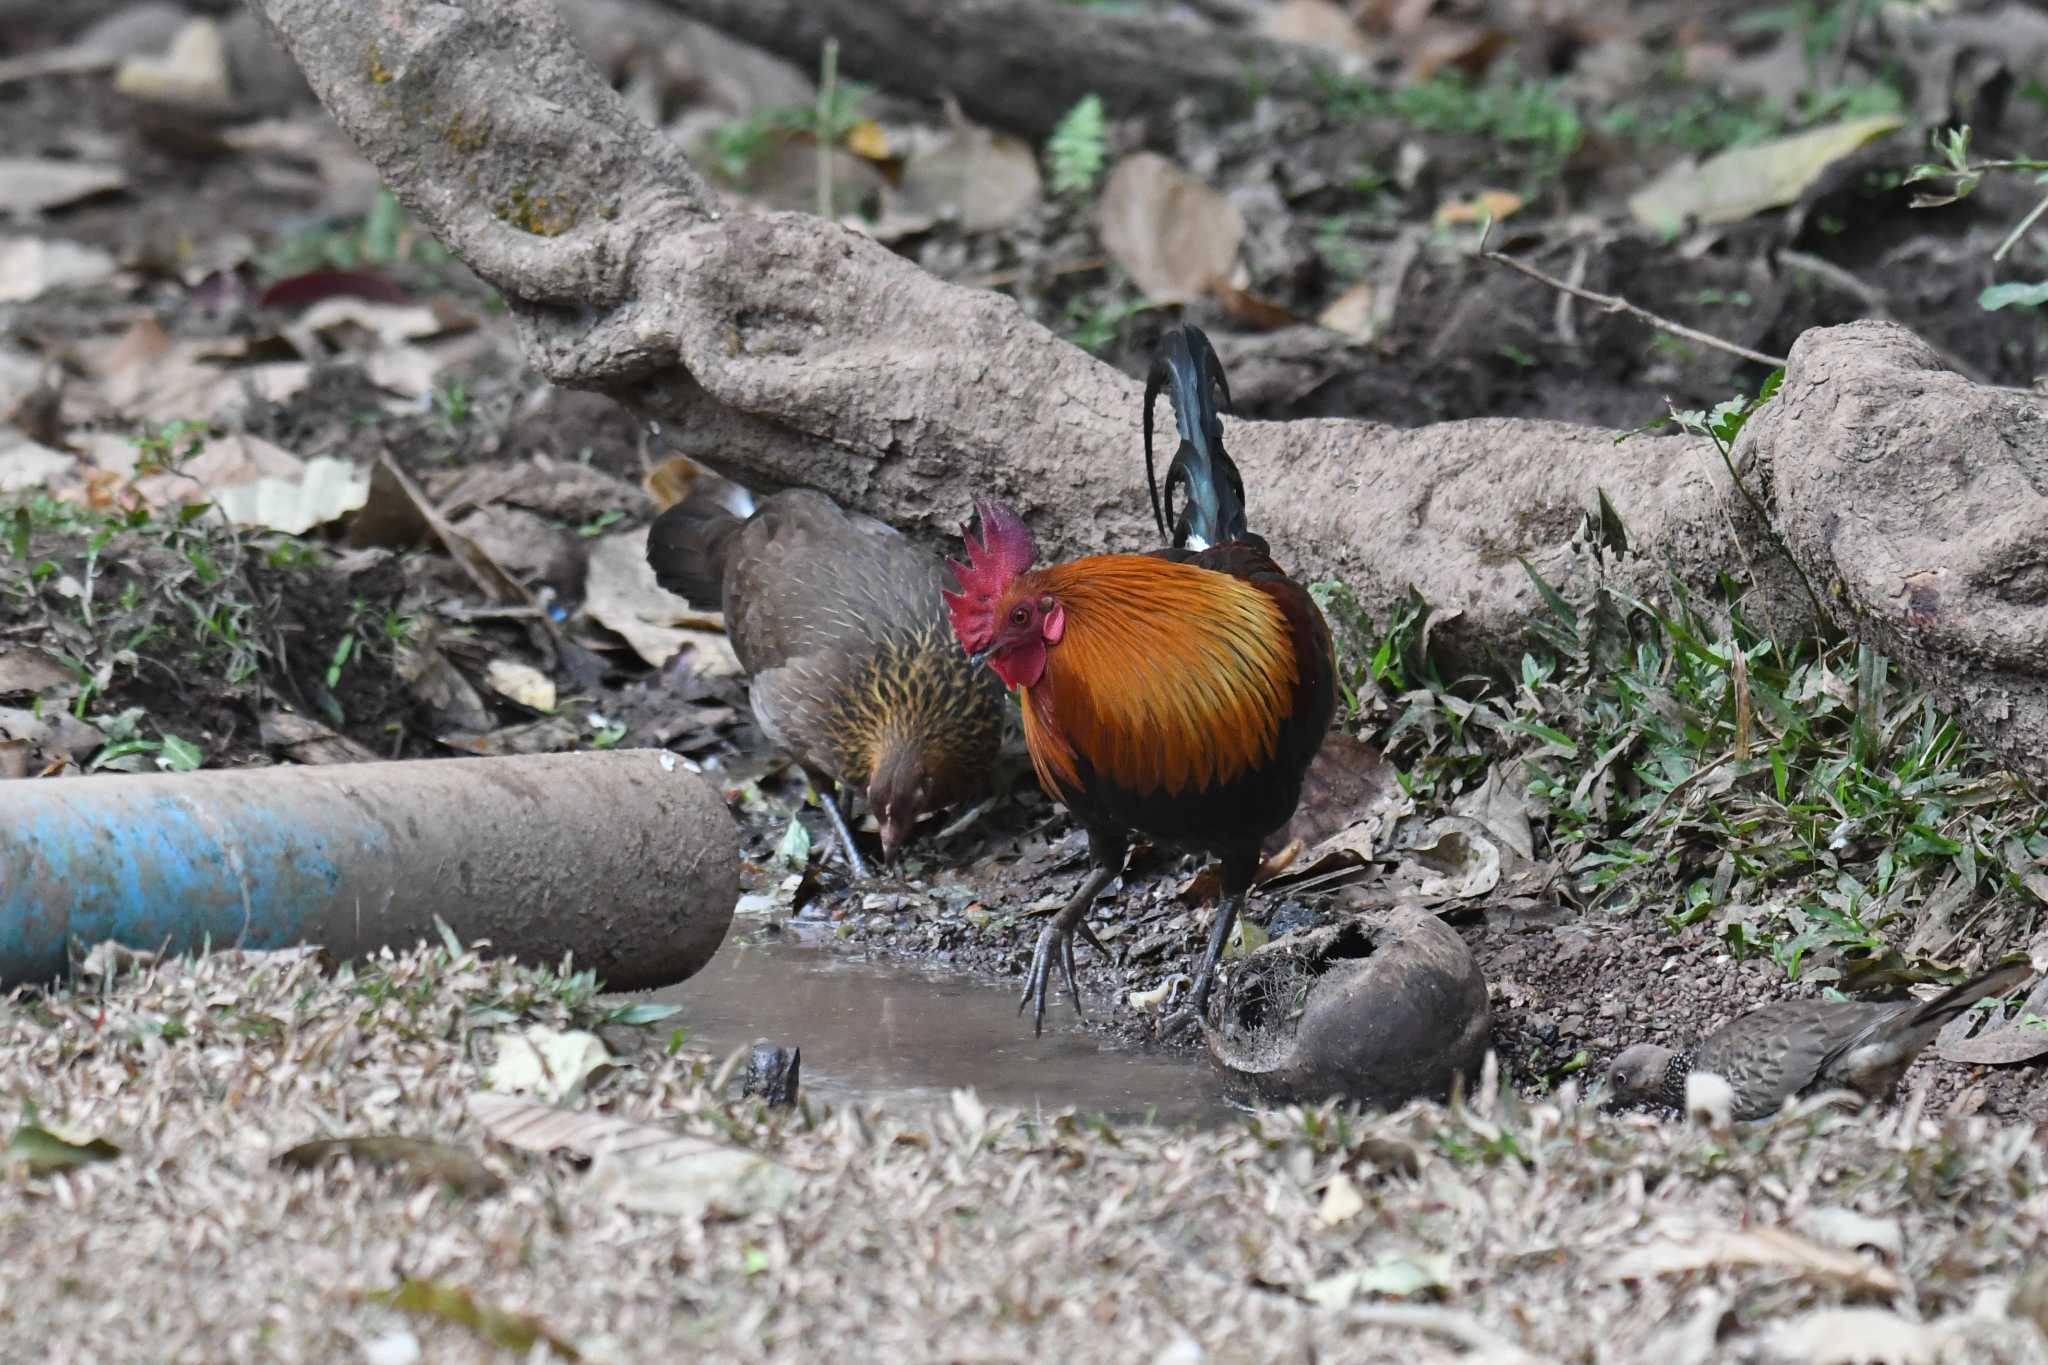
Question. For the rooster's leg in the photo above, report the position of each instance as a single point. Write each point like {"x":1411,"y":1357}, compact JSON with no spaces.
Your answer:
{"x":841,"y":832}
{"x":1205,"y":977}
{"x":1056,"y":943}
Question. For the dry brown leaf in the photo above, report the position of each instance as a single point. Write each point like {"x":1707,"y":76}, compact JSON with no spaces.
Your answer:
{"x":1744,"y":181}
{"x":1348,"y":780}
{"x":548,"y":735}
{"x":553,"y":1064}
{"x":982,"y":179}
{"x":396,"y":508}
{"x":1980,"y":1038}
{"x":26,"y":467}
{"x":424,"y":1161}
{"x":1352,"y":312}
{"x":642,"y":1166}
{"x":324,"y":490}
{"x":1738,"y":1248}
{"x":222,"y":465}
{"x":1169,"y":232}
{"x":33,"y":266}
{"x":1257,"y":313}
{"x":193,"y":72}
{"x":521,"y":682}
{"x":32,"y":184}
{"x":54,"y":734}
{"x":1480,"y":207}
{"x":305,"y":740}
{"x":25,"y":671}
{"x":354,"y":322}
{"x":1466,"y":47}
{"x":1856,"y":1336}
{"x":621,"y":595}
{"x":1317,"y":23}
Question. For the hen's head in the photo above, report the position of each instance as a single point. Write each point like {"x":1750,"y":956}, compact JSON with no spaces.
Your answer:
{"x":999,"y":613}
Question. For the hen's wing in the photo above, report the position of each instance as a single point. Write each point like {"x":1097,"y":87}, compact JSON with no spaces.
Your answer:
{"x":807,"y":578}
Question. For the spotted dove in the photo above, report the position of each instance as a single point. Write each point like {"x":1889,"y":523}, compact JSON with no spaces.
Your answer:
{"x":1797,"y":1047}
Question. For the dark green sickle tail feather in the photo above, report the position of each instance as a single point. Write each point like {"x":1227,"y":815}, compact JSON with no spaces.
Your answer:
{"x":1186,"y":365}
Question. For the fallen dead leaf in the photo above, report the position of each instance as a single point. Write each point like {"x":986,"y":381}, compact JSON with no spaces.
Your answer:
{"x":221,"y":465}
{"x":193,"y":72}
{"x":1348,"y":780}
{"x":1352,"y":313}
{"x":1169,"y":232}
{"x":428,"y":1162}
{"x":324,"y":490}
{"x":548,"y":735}
{"x":56,"y":733}
{"x":33,"y":266}
{"x":27,"y":467}
{"x":1679,"y":1253}
{"x":622,"y":596}
{"x":1450,"y":862}
{"x":523,"y":683}
{"x":305,"y":740}
{"x":25,"y":672}
{"x":1998,"y":1037}
{"x":1316,"y":23}
{"x":31,"y":185}
{"x":1486,"y":204}
{"x":642,"y":1166}
{"x":549,"y":1063}
{"x":1856,"y":1336}
{"x":397,"y":508}
{"x":1501,"y":804}
{"x":1743,"y":181}
{"x":1341,"y":1201}
{"x":981,"y":179}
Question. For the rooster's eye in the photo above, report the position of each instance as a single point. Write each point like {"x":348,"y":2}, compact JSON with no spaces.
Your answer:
{"x":1021,"y":616}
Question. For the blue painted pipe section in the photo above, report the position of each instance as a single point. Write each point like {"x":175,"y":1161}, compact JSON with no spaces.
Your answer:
{"x":625,"y":860}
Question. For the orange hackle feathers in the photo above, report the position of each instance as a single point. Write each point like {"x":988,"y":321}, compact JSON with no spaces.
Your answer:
{"x":1168,"y":677}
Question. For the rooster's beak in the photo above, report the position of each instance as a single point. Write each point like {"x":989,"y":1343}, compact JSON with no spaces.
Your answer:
{"x":977,"y":660}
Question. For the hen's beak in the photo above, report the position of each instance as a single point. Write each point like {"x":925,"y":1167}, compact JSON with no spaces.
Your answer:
{"x":977,"y":660}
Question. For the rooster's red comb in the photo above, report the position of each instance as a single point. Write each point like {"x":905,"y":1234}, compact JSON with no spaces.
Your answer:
{"x":1003,"y":551}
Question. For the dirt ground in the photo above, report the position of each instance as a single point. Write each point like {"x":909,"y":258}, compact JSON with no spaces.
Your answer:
{"x":225,"y":297}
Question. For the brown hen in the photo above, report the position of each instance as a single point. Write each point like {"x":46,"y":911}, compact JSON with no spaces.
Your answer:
{"x":840,"y":625}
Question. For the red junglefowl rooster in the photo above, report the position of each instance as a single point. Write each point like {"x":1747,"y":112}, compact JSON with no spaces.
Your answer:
{"x":838,"y":621}
{"x":1179,"y":694}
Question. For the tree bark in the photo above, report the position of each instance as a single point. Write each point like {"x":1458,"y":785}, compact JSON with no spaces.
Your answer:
{"x":1021,"y":64}
{"x":783,"y":350}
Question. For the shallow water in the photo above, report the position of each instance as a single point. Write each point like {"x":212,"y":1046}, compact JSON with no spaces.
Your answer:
{"x":907,"y":1033}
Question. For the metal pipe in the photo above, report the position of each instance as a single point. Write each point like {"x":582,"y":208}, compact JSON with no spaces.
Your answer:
{"x":625,"y":859}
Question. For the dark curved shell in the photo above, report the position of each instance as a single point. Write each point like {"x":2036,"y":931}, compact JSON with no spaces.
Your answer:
{"x":1379,"y":1010}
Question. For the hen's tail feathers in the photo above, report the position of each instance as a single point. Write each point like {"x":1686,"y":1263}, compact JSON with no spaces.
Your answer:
{"x":1952,"y":1002}
{"x":1186,"y":365}
{"x":688,"y":544}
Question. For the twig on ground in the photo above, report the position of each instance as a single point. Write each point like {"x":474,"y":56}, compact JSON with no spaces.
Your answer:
{"x":1614,"y":303}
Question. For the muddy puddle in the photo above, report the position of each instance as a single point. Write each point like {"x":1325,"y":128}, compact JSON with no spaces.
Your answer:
{"x":903,"y":1033}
